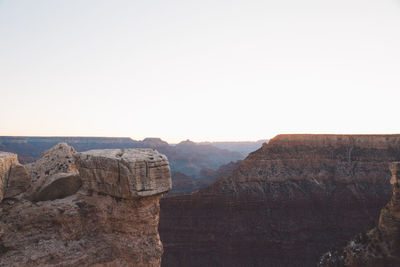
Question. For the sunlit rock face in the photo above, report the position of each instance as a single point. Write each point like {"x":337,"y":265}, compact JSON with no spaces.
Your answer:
{"x":378,"y":247}
{"x":285,"y":205}
{"x":125,"y":173}
{"x":83,"y":209}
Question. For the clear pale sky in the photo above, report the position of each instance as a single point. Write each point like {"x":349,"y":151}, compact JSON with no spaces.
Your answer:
{"x":203,"y":70}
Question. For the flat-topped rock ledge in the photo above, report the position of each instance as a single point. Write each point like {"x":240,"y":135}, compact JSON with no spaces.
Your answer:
{"x":124,"y":173}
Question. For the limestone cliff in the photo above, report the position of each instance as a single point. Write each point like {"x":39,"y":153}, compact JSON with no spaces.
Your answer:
{"x":99,"y":208}
{"x":379,"y":246}
{"x":285,"y":205}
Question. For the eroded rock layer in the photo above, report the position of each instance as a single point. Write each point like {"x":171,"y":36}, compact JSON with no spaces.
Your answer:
{"x":59,"y":220}
{"x":285,"y":205}
{"x":131,"y":173}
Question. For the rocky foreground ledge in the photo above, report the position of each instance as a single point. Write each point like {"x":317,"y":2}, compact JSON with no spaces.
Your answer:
{"x":99,"y":207}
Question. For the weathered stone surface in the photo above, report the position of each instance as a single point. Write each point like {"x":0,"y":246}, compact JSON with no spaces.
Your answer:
{"x":58,"y":222}
{"x":55,"y":160}
{"x":379,"y":247}
{"x":18,"y":181}
{"x":6,"y":161}
{"x":58,"y":185}
{"x":54,"y":175}
{"x":285,"y":205}
{"x":80,"y":230}
{"x":128,"y":173}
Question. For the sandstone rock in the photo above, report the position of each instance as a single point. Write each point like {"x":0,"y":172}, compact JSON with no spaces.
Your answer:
{"x":54,"y":175}
{"x":18,"y":181}
{"x":57,"y":222}
{"x":58,"y":185}
{"x":7,"y":160}
{"x":128,"y":173}
{"x":55,"y":160}
{"x":80,"y":230}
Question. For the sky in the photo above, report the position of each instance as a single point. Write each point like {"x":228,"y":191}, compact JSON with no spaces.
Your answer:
{"x":199,"y":70}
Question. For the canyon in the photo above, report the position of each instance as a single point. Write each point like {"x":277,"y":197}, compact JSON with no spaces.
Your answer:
{"x":242,"y":147}
{"x":93,"y":208}
{"x":284,"y":205}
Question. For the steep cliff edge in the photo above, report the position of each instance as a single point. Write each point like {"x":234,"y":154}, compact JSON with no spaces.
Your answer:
{"x":99,"y":207}
{"x":285,"y":204}
{"x":380,"y":246}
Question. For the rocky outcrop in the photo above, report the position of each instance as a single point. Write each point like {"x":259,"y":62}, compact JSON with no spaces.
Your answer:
{"x":14,"y":179}
{"x":285,"y":205}
{"x":18,"y":181}
{"x":54,"y":175}
{"x":125,"y":173}
{"x":6,"y":162}
{"x":380,"y":246}
{"x":81,"y":209}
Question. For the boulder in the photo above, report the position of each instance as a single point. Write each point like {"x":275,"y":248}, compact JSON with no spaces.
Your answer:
{"x":54,"y":175}
{"x":124,"y":173}
{"x":57,"y":159}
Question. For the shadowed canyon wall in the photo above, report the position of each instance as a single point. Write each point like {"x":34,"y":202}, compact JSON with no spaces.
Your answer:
{"x":380,"y":246}
{"x":285,"y":205}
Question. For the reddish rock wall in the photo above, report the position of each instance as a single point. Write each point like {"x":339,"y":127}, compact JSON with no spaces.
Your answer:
{"x":285,"y":205}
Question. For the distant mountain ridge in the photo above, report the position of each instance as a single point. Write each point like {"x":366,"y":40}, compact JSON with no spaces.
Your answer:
{"x":243,"y":147}
{"x":187,"y":157}
{"x":29,"y":148}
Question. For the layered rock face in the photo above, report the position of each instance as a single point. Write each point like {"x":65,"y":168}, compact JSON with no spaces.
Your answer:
{"x":93,"y":208}
{"x":138,"y":173}
{"x":379,"y":246}
{"x":285,"y":205}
